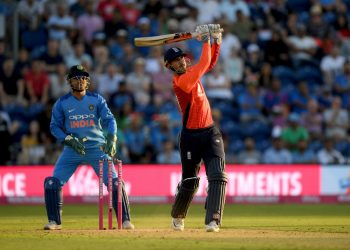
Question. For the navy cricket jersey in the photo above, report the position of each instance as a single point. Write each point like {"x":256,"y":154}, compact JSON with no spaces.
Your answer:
{"x":89,"y":117}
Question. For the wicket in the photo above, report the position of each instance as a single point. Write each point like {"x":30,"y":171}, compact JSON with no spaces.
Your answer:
{"x":109,"y":195}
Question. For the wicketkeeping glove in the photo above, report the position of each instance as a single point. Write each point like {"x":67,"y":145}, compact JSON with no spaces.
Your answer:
{"x":75,"y":143}
{"x":203,"y":31}
{"x":110,"y":147}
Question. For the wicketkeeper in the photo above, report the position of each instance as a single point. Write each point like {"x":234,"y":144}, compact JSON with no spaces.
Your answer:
{"x":199,"y":139}
{"x":82,"y":121}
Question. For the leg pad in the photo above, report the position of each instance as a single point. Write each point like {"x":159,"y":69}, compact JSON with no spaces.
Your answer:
{"x":217,"y":180}
{"x":125,"y":201}
{"x":53,"y":199}
{"x":185,"y":192}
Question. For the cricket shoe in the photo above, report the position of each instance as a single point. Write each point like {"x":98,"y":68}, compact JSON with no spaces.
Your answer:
{"x":128,"y":225}
{"x":212,"y":227}
{"x":178,"y":224}
{"x":52,"y":225}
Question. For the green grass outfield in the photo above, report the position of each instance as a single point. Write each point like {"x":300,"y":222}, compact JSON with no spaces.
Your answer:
{"x":245,"y":227}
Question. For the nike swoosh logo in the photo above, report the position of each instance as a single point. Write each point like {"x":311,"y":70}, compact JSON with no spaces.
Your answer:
{"x":70,"y":110}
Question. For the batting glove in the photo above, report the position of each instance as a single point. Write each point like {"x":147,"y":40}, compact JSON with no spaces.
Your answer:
{"x":75,"y":143}
{"x":110,"y":147}
{"x":214,"y":28}
{"x":203,"y":31}
{"x":215,"y":32}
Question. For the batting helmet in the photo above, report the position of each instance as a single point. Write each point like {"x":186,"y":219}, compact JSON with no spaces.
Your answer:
{"x":172,"y":54}
{"x":77,"y":71}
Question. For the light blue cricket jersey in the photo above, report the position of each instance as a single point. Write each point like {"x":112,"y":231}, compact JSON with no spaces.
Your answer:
{"x":89,"y":117}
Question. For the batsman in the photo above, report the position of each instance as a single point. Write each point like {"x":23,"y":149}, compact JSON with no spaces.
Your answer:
{"x":82,"y":121}
{"x":200,"y":140}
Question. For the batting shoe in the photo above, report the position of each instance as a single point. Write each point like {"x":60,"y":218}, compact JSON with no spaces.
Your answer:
{"x":128,"y":225}
{"x":212,"y":227}
{"x":52,"y":225}
{"x":178,"y":224}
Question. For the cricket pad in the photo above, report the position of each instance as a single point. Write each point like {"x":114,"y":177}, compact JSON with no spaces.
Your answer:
{"x":125,"y":201}
{"x":53,"y":199}
{"x":186,"y":189}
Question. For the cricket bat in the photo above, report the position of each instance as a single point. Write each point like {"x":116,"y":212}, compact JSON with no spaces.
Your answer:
{"x":164,"y":39}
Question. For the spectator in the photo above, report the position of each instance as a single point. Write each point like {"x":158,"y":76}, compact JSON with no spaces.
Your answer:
{"x":89,"y":22}
{"x":325,"y":97}
{"x":139,"y":82}
{"x":276,"y":51}
{"x":142,"y":29}
{"x":273,"y":96}
{"x":302,"y":46}
{"x":7,"y":129}
{"x":303,"y":155}
{"x":22,"y":64}
{"x":129,"y":57}
{"x":189,"y":22}
{"x":31,"y":144}
{"x":119,"y":40}
{"x":77,"y":9}
{"x":312,"y":120}
{"x":130,"y":12}
{"x":35,"y":37}
{"x":328,"y":154}
{"x":123,"y":105}
{"x":279,"y":115}
{"x":249,"y":155}
{"x":79,"y":56}
{"x":136,"y":138}
{"x":61,"y":23}
{"x":317,"y":27}
{"x":277,"y":154}
{"x":336,"y":121}
{"x":107,"y":8}
{"x":52,"y":56}
{"x":299,"y":98}
{"x":58,"y":83}
{"x":341,"y":25}
{"x":217,"y":85}
{"x":229,"y":42}
{"x":265,"y":76}
{"x":253,"y":62}
{"x":234,"y":67}
{"x":100,"y":58}
{"x":152,"y":8}
{"x":11,"y":84}
{"x":279,"y":11}
{"x":208,"y":10}
{"x":242,"y":26}
{"x":229,"y":9}
{"x":29,"y":10}
{"x":168,"y":154}
{"x":154,"y":61}
{"x":37,"y":82}
{"x":112,"y":26}
{"x":331,"y":65}
{"x":293,"y":132}
{"x":250,"y":104}
{"x":341,"y":85}
{"x":109,"y":81}
{"x":160,"y":131}
{"x":162,"y":92}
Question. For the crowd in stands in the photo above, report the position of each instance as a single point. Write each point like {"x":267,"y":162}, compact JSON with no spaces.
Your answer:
{"x":280,"y":92}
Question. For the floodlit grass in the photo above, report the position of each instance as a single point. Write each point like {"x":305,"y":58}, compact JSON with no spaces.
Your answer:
{"x":244,"y":227}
